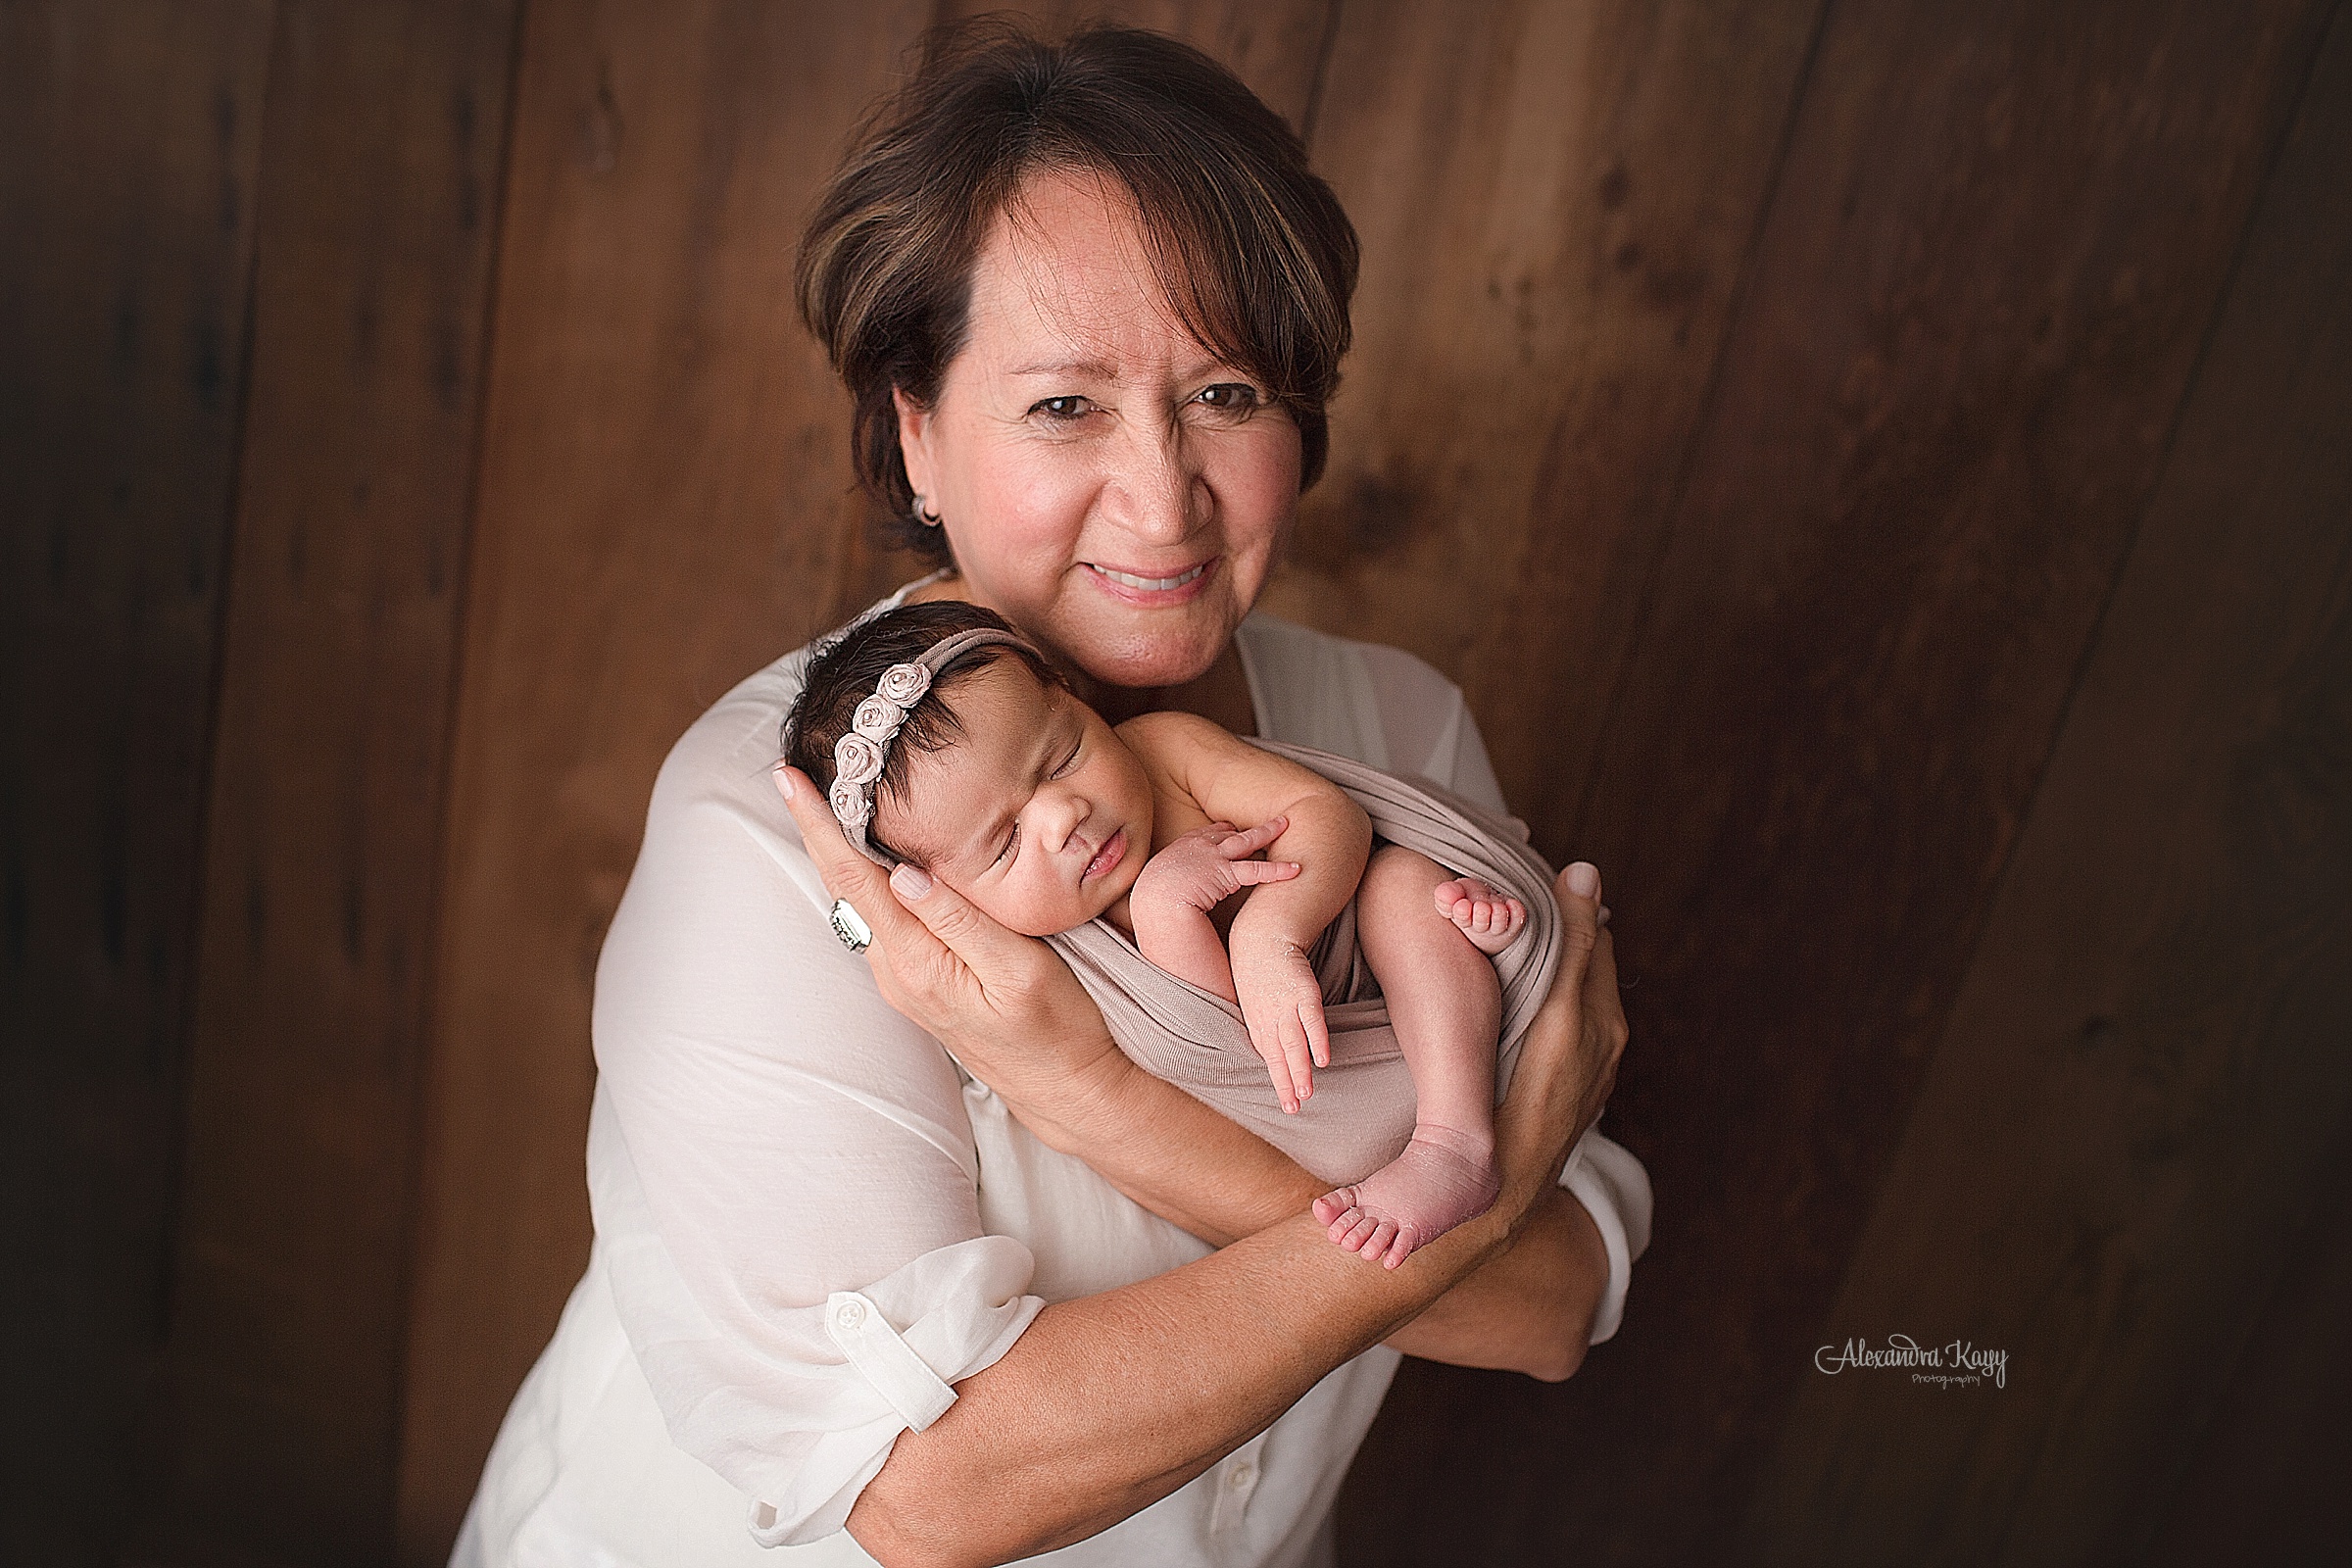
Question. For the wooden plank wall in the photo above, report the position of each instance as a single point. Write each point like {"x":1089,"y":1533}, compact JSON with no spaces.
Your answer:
{"x":132,"y":136}
{"x":2145,"y":1065}
{"x":1879,"y":468}
{"x":276,"y":1432}
{"x":1994,"y":245}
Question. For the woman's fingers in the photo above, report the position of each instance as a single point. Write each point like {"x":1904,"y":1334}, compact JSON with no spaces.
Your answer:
{"x":1569,"y":1060}
{"x":847,"y":874}
{"x":1005,"y":961}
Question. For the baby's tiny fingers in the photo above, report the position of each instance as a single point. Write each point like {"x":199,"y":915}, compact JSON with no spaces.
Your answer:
{"x":1252,"y":872}
{"x":1298,"y":1054}
{"x":1278,"y":1071}
{"x":1249,"y":841}
{"x":1318,"y":1033}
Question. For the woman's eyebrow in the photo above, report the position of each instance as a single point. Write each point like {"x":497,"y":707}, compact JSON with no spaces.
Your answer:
{"x":1099,"y":369}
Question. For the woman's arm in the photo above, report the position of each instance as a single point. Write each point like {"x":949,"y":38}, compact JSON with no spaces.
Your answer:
{"x":1530,"y":1310}
{"x":1108,"y":1403}
{"x":1111,"y":1402}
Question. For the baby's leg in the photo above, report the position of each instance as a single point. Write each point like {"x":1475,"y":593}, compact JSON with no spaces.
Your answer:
{"x":1447,"y":1007}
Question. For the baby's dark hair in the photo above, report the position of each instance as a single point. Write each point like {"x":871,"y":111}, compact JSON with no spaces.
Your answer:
{"x":843,"y":674}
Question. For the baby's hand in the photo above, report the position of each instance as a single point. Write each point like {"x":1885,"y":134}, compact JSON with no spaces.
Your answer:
{"x":1209,"y":864}
{"x":1284,"y":1009}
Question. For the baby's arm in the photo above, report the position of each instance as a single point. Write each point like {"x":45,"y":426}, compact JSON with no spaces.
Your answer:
{"x":1170,"y":905}
{"x":1323,"y":831}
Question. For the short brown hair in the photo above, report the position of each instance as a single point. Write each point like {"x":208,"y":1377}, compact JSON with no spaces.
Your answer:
{"x":1258,"y":259}
{"x":844,"y":671}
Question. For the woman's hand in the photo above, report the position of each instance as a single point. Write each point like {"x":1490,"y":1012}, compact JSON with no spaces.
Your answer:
{"x":1003,"y":1003}
{"x":1568,"y":1063}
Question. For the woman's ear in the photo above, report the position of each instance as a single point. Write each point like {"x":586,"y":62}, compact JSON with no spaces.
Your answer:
{"x":914,"y":440}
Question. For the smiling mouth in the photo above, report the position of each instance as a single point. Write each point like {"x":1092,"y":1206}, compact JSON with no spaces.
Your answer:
{"x":1129,"y":579}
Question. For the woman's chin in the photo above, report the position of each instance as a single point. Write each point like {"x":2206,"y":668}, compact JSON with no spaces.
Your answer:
{"x":1155,"y":651}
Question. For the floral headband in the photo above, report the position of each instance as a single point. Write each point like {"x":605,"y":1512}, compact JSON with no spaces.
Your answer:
{"x":859,"y":755}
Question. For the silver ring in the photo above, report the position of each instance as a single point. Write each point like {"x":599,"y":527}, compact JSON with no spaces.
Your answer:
{"x":850,"y":927}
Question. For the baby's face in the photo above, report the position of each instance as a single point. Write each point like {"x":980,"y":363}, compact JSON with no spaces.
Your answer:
{"x":1039,"y":814}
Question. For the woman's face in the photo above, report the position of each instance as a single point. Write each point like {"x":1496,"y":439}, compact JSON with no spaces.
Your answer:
{"x":1110,"y":486}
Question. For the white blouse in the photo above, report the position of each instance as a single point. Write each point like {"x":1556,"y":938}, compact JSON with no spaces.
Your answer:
{"x":811,"y":1224}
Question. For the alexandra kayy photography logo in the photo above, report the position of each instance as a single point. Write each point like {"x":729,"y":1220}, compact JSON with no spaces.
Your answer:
{"x":1956,"y":1366}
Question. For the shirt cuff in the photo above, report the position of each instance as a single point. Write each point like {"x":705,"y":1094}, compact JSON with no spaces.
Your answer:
{"x":1606,"y":1178}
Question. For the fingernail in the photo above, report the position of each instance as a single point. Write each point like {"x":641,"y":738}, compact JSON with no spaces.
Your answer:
{"x":1583,"y":879}
{"x":909,"y":881}
{"x":784,"y":783}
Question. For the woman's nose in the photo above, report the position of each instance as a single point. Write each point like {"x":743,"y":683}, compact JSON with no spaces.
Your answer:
{"x":1159,"y":488}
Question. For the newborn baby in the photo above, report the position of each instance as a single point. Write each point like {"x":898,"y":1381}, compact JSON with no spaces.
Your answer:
{"x":944,"y":740}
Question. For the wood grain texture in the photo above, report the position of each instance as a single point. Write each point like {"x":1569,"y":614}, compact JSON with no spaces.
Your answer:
{"x":1995,"y":248}
{"x":1276,"y":46}
{"x":665,"y":505}
{"x":2144,"y":1075}
{"x":130,"y":137}
{"x":378,"y":206}
{"x":1553,"y":242}
{"x":2263,"y":1481}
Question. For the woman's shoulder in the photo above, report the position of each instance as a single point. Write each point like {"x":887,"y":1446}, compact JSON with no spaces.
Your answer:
{"x":728,"y":757}
{"x":733,"y":747}
{"x":1290,"y":652}
{"x":1383,"y":706}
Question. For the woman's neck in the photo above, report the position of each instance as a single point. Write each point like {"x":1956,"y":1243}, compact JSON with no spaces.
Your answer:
{"x":1221,"y":695}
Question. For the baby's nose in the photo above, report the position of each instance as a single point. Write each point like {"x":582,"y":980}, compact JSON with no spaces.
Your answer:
{"x":1069,"y":814}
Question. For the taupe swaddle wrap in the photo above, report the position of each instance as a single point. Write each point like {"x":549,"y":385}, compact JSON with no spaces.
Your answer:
{"x":1361,"y":1113}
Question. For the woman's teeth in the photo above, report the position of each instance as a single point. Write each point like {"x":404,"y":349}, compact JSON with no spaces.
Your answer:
{"x":1129,"y":579}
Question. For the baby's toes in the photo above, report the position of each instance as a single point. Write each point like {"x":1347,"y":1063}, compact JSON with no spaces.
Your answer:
{"x":1494,"y":923}
{"x":1355,"y":1237}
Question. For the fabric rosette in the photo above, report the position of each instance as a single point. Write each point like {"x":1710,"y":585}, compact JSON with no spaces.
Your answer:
{"x":856,"y":759}
{"x":853,"y":808}
{"x":877,"y":719}
{"x":903,"y":684}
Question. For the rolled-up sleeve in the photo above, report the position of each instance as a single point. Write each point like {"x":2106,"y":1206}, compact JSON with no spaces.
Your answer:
{"x":783,"y":1178}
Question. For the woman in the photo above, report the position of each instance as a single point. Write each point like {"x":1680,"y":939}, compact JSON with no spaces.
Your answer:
{"x":1090,"y":306}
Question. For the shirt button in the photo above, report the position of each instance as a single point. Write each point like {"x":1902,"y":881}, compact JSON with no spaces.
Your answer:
{"x":1242,"y":1477}
{"x":850,"y":1314}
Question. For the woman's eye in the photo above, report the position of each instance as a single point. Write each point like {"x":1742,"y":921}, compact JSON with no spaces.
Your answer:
{"x":1229,"y":397}
{"x":1061,"y":409}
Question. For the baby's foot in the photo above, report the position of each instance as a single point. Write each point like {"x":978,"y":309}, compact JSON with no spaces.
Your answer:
{"x":1488,"y":918}
{"x":1443,"y":1178}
